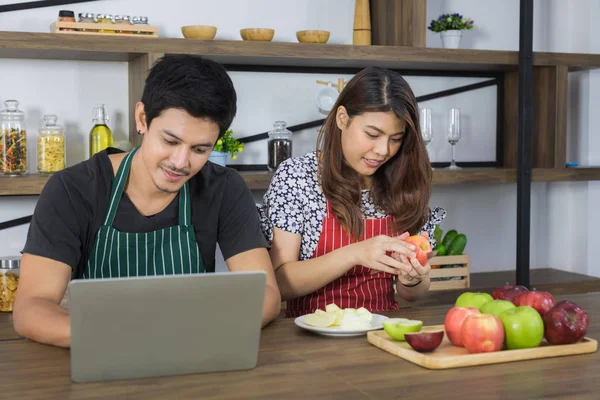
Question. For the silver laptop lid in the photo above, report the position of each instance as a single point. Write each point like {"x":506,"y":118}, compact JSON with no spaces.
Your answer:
{"x":158,"y":326}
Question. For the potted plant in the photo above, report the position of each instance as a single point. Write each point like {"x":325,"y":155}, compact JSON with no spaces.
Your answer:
{"x":450,"y":27}
{"x":226,"y":145}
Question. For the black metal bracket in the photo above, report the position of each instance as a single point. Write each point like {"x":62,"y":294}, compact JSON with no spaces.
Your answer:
{"x":15,"y":222}
{"x":525,"y":125}
{"x":39,"y":4}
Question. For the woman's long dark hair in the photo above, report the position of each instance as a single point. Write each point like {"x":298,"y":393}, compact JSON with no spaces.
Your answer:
{"x":402,"y":186}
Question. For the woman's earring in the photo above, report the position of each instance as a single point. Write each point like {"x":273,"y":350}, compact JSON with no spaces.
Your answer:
{"x":139,"y":132}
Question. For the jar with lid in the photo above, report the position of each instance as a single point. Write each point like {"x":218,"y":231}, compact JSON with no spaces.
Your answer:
{"x":140,"y":20}
{"x":13,"y":140}
{"x":66,"y":16}
{"x":50,"y":146}
{"x":105,"y":19}
{"x":9,"y":281}
{"x":123,"y":20}
{"x":88,"y":18}
{"x":279,"y":144}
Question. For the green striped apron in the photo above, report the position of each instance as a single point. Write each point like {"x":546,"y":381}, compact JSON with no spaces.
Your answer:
{"x":168,"y":251}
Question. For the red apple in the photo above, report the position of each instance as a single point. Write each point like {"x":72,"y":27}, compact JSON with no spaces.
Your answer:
{"x":422,"y":247}
{"x":565,"y":323}
{"x":542,"y":302}
{"x":424,"y":341}
{"x":453,"y":323}
{"x":482,"y":333}
{"x":508,"y":292}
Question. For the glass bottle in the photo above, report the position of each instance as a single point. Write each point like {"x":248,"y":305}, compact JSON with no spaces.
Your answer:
{"x":100,"y":135}
{"x":13,"y":140}
{"x":50,"y":146}
{"x":279,"y":144}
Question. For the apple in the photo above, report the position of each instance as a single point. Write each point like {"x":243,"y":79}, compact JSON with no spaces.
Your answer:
{"x":425,"y":342}
{"x":473,"y":299}
{"x":565,"y":323}
{"x":496,"y":307}
{"x":523,"y":327}
{"x":398,"y":327}
{"x":508,"y":292}
{"x":541,"y":301}
{"x":482,"y":333}
{"x":422,"y":247}
{"x":453,"y":321}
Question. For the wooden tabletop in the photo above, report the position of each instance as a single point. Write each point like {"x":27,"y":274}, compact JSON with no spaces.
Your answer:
{"x":296,"y":364}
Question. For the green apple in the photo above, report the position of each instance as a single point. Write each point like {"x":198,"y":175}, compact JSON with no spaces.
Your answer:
{"x":473,"y":299}
{"x":496,"y":307}
{"x":397,"y":327}
{"x":523,"y":327}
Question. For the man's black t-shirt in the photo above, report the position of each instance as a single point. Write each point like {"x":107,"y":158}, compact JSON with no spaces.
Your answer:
{"x":73,"y":204}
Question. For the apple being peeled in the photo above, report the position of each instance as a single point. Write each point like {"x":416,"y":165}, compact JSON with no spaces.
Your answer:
{"x":453,"y":323}
{"x":482,"y":333}
{"x":422,"y":247}
{"x":473,"y":299}
{"x":565,"y":323}
{"x":542,"y":302}
{"x":523,"y":327}
{"x":424,"y":342}
{"x":508,"y":292}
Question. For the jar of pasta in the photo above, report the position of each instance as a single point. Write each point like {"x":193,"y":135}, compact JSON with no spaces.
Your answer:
{"x":13,"y":140}
{"x":50,"y":147}
{"x":9,"y":281}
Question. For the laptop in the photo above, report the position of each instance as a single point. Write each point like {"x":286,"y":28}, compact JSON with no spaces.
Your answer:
{"x":165,"y":325}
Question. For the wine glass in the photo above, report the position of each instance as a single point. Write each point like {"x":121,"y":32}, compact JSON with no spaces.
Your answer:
{"x":426,"y":131}
{"x":454,"y":134}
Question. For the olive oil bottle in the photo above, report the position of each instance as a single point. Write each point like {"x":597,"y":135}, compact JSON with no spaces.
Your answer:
{"x":100,"y":135}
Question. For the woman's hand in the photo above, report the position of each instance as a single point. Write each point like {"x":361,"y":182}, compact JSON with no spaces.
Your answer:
{"x":417,"y":272}
{"x":372,"y":253}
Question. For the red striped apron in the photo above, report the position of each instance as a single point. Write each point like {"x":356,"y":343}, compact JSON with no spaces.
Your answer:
{"x":357,"y":287}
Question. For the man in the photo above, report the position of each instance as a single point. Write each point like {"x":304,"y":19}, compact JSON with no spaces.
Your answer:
{"x":158,"y":210}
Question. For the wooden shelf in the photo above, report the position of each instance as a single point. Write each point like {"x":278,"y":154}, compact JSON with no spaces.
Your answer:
{"x":30,"y":45}
{"x":32,"y":184}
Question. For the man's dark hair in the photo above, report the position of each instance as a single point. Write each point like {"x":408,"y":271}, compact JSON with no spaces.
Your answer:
{"x":197,"y":85}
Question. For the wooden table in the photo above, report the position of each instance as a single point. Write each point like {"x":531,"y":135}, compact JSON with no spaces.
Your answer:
{"x":296,"y":364}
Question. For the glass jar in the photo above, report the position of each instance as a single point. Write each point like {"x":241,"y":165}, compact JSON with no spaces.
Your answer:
{"x":66,"y":16}
{"x":279,"y":144}
{"x":100,"y":135}
{"x":140,"y":20}
{"x":105,"y":19}
{"x":123,"y":20}
{"x":87,"y":18}
{"x":50,"y":147}
{"x":13,"y":140}
{"x":9,"y":281}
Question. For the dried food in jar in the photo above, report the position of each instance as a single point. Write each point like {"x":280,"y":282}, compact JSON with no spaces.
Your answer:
{"x":8,"y":290}
{"x":13,"y":151}
{"x":51,"y":153}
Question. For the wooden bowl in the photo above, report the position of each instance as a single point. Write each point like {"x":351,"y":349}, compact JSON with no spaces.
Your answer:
{"x":260,"y":34}
{"x":203,"y":32}
{"x":312,"y":36}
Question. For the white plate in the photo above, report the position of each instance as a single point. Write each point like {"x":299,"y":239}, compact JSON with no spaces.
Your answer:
{"x":376,"y":324}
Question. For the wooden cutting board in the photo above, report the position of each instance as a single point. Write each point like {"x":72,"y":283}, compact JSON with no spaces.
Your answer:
{"x":449,"y":356}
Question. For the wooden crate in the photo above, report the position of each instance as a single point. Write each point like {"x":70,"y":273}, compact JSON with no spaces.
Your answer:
{"x":463,"y":272}
{"x":85,"y":28}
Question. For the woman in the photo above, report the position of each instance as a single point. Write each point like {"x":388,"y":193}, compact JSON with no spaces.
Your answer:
{"x":337,"y":218}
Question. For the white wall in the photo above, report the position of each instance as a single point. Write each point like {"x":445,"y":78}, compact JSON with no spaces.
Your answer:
{"x":486,"y":213}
